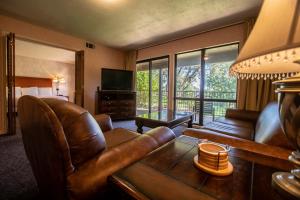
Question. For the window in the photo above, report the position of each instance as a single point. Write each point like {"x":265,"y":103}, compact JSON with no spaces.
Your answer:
{"x":152,"y":85}
{"x":203,"y":84}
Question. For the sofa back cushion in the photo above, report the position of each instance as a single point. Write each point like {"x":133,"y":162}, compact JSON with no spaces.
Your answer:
{"x":268,"y":129}
{"x":82,"y":132}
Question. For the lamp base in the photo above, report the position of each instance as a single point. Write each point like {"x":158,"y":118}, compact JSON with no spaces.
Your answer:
{"x":286,"y":184}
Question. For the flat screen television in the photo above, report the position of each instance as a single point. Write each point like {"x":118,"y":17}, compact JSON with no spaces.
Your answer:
{"x":113,"y":79}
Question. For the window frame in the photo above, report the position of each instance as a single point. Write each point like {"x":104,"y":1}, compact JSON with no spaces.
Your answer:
{"x":201,"y":98}
{"x":150,"y":60}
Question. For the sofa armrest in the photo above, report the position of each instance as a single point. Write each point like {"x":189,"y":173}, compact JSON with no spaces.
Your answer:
{"x":239,"y":114}
{"x":161,"y":134}
{"x":248,"y":145}
{"x":104,"y":122}
{"x":89,"y":178}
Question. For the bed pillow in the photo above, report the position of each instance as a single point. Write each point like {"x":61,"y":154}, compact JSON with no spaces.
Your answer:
{"x":45,"y":91}
{"x":18,"y":92}
{"x":33,"y":91}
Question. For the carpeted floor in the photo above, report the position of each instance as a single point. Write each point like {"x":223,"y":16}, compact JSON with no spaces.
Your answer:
{"x":16,"y":178}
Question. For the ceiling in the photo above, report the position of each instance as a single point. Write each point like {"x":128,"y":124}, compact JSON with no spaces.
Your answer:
{"x":129,"y":24}
{"x":44,"y":52}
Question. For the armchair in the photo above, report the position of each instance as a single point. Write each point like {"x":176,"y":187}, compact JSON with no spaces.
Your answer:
{"x":71,"y":157}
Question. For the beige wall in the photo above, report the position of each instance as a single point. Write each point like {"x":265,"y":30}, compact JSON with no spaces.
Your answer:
{"x":95,"y":59}
{"x":33,"y":67}
{"x":235,"y":33}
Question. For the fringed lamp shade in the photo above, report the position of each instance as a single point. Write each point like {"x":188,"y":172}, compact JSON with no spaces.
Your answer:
{"x":273,"y":51}
{"x":274,"y":43}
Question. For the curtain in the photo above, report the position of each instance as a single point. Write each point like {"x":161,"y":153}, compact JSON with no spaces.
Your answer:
{"x":254,"y":94}
{"x":130,"y":63}
{"x":3,"y":128}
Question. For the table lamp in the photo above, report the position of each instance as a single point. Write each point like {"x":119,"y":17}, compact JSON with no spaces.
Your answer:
{"x":58,"y":81}
{"x":272,"y":51}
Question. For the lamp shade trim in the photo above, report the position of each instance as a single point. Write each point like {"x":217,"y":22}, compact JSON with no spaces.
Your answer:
{"x":273,"y":47}
{"x":276,"y":65}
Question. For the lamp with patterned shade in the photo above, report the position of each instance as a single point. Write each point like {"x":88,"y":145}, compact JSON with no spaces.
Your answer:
{"x":273,"y":51}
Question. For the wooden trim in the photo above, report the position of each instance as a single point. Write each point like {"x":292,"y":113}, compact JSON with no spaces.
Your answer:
{"x":126,"y":187}
{"x":10,"y":57}
{"x":152,"y":59}
{"x":22,"y":81}
{"x":3,"y":108}
{"x":79,"y":78}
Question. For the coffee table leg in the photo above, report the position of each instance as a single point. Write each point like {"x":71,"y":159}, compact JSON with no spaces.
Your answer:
{"x":190,"y":123}
{"x":139,"y":125}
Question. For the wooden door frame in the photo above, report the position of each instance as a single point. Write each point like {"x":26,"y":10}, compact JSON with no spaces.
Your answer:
{"x":10,"y":56}
{"x":10,"y":82}
{"x":79,"y":65}
{"x":79,"y":78}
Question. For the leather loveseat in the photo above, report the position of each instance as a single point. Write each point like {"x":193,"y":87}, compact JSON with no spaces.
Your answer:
{"x":249,"y":130}
{"x":70,"y":155}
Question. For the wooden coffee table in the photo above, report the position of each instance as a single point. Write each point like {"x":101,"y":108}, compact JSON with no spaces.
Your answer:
{"x":166,"y":118}
{"x":169,"y":173}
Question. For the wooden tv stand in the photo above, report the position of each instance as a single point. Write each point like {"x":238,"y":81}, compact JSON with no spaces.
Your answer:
{"x":119,"y":105}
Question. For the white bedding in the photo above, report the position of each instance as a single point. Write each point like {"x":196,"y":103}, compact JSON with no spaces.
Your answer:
{"x":37,"y":92}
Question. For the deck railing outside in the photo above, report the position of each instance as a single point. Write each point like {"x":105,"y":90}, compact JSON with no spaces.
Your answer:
{"x":214,"y":107}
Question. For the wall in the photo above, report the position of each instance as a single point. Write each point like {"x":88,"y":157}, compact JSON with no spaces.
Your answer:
{"x":235,"y":33}
{"x":94,"y":59}
{"x":33,"y":67}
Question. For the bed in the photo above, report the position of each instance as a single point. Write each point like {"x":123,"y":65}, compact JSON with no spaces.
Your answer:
{"x":39,"y":87}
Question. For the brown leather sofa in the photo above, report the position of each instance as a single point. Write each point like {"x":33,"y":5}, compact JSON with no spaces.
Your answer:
{"x":250,"y":130}
{"x":70,"y":155}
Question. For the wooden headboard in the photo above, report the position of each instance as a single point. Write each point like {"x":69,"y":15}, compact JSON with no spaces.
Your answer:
{"x":22,"y":81}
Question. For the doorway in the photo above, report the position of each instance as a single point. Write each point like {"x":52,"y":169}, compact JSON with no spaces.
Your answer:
{"x":41,"y":71}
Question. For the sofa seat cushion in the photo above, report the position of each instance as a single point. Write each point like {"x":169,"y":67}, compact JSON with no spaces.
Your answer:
{"x":231,"y":130}
{"x":117,"y":136}
{"x":236,"y":122}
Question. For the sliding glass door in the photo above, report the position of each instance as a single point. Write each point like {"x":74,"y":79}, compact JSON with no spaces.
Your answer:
{"x":142,"y":87}
{"x":152,"y":85}
{"x":187,"y":78}
{"x":219,"y":87}
{"x":203,"y":84}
